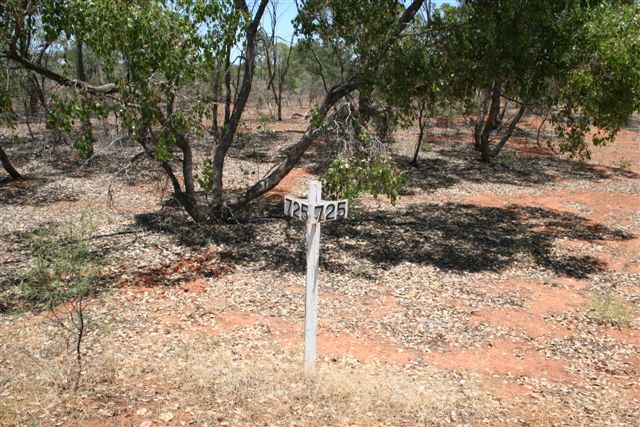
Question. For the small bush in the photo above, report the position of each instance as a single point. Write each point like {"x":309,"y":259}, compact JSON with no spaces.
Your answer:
{"x":64,"y":266}
{"x":607,"y":310}
{"x":623,"y":164}
{"x":508,"y":160}
{"x":426,"y":146}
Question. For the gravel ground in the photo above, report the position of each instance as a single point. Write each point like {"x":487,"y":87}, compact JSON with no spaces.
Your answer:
{"x":479,"y":279}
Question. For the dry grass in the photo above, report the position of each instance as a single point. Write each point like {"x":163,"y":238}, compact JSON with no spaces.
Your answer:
{"x":610,"y":311}
{"x":607,"y":407}
{"x":277,"y":389}
{"x":203,"y":379}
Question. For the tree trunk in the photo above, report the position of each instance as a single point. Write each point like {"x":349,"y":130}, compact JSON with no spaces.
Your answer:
{"x":491,"y":123}
{"x":275,"y":99}
{"x":227,"y":85}
{"x":6,"y":164}
{"x":188,"y":197}
{"x":215,"y":129}
{"x":272,"y":67}
{"x":39,"y":90}
{"x":34,"y":99}
{"x":185,"y":198}
{"x":418,"y":144}
{"x":280,"y":104}
{"x":422,"y":124}
{"x":282,"y":78}
{"x":364,"y":108}
{"x":240,"y":102}
{"x":482,"y":112}
{"x":87,"y":129}
{"x":512,"y":125}
{"x":80,"y":74}
{"x":295,"y":153}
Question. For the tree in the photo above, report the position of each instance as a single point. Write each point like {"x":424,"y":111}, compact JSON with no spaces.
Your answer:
{"x":414,"y":82}
{"x":314,"y":69}
{"x":602,"y":88}
{"x":380,"y":23}
{"x":6,"y":117}
{"x":150,"y":52}
{"x":277,"y":59}
{"x":510,"y":52}
{"x":156,"y":58}
{"x":532,"y":56}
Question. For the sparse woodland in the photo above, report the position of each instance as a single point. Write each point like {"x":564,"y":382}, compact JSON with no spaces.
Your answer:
{"x":488,"y":273}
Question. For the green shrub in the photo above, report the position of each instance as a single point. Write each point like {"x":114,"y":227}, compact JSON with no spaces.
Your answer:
{"x":244,"y":139}
{"x":426,"y":146}
{"x":508,"y":160}
{"x":64,"y":266}
{"x":624,"y":164}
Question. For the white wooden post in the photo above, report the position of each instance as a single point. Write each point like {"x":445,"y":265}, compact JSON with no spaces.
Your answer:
{"x":314,"y":211}
{"x":311,"y":293}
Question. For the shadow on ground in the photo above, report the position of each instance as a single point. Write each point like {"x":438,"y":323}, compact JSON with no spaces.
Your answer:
{"x":451,"y":236}
{"x":451,"y":164}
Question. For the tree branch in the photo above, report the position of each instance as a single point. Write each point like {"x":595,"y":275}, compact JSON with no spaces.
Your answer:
{"x":509,"y":132}
{"x":105,"y":89}
{"x":335,"y":94}
{"x":241,"y":100}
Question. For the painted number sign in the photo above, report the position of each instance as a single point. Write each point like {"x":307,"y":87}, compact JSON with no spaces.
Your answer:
{"x":324,"y":211}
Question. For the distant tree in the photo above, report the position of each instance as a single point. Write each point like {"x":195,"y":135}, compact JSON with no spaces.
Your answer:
{"x":314,"y":68}
{"x":545,"y":56}
{"x":277,"y":59}
{"x":417,"y":81}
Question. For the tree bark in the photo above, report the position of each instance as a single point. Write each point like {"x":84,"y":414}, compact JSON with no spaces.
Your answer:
{"x":227,"y":86}
{"x":482,"y":112}
{"x":215,"y":128}
{"x":186,"y":198}
{"x":295,"y":153}
{"x":491,"y":123}
{"x":364,"y":108}
{"x":39,"y":90}
{"x":241,"y":99}
{"x":6,"y":164}
{"x":422,"y":124}
{"x":80,"y":74}
{"x":34,"y":99}
{"x":512,"y":125}
{"x":87,"y":128}
{"x":282,"y":78}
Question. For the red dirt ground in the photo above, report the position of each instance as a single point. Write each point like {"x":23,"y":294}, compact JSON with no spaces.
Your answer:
{"x":500,"y":362}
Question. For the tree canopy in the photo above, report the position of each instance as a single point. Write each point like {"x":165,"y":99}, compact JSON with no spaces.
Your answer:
{"x":158,"y":66}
